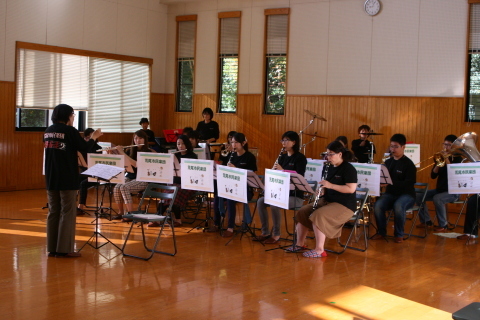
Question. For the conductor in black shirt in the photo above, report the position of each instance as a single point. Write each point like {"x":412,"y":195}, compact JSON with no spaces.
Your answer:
{"x":207,"y":128}
{"x":400,"y":196}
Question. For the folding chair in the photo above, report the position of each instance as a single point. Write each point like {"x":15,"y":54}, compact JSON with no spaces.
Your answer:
{"x":142,"y":217}
{"x":420,"y":189}
{"x":358,"y":220}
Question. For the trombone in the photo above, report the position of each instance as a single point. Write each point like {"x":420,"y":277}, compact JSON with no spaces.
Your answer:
{"x":465,"y":146}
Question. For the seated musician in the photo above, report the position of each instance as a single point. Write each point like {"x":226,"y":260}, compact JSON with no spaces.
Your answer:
{"x":362,"y":147}
{"x":400,"y":196}
{"x":292,"y":160}
{"x":152,"y":143}
{"x":84,"y":183}
{"x":185,"y":151}
{"x":440,"y":195}
{"x":243,"y":159}
{"x":343,"y":140}
{"x":207,"y":128}
{"x":122,"y":193}
{"x":194,"y":138}
{"x":223,"y":160}
{"x":470,"y":227}
{"x":335,"y":208}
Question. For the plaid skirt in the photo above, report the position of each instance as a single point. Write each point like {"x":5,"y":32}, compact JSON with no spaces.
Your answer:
{"x":183,"y":195}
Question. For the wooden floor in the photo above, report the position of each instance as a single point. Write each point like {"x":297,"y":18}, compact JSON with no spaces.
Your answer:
{"x":418,"y":279}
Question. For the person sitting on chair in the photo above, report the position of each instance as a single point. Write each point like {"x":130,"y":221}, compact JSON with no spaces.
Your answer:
{"x":243,"y":159}
{"x":400,"y":196}
{"x":440,"y":195}
{"x":293,"y":160}
{"x":335,"y":208}
{"x":185,"y":151}
{"x":122,"y":192}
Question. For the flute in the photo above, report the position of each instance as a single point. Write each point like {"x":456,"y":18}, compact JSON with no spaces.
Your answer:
{"x":113,"y":148}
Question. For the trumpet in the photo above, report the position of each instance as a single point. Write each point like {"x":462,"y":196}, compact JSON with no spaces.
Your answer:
{"x":225,"y":152}
{"x":276,"y":161}
{"x":321,"y":189}
{"x":113,"y":148}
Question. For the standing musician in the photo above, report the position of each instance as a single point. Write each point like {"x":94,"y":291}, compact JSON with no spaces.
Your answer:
{"x":122,"y":193}
{"x":363,"y":147}
{"x":240,"y":158}
{"x":207,"y":128}
{"x":292,"y":160}
{"x":185,"y":151}
{"x":336,"y":206}
{"x":440,"y":195}
{"x":400,"y":196}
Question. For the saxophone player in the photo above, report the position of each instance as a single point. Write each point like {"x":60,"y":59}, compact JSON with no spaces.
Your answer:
{"x":335,"y":208}
{"x":289,"y":158}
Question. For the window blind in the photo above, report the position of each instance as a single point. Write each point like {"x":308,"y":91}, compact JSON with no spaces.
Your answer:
{"x":120,"y":94}
{"x":186,"y":39}
{"x":229,"y":36}
{"x":277,"y":34}
{"x":46,"y":79}
{"x":474,"y":43}
{"x":115,"y":93}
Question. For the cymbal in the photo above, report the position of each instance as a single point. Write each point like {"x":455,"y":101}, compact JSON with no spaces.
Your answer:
{"x":315,"y":115}
{"x":314,"y":135}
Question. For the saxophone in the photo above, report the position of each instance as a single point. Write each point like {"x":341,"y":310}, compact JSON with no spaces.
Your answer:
{"x":321,"y":189}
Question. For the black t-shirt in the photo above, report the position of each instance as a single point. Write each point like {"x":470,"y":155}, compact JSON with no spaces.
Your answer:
{"x":442,"y":182}
{"x":403,"y":174}
{"x":341,"y":175}
{"x":361,"y":153}
{"x":208,"y":130}
{"x":296,"y":162}
{"x":151,"y":137}
{"x":61,"y":143}
{"x":245,"y":161}
{"x":180,"y":156}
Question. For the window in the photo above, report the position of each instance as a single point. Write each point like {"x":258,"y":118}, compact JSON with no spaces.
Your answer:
{"x":276,"y":60}
{"x":228,"y":61}
{"x":473,"y":79}
{"x":185,"y":62}
{"x":111,"y":94}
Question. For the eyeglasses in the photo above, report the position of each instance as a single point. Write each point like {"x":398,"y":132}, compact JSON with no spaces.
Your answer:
{"x":329,"y":154}
{"x":447,"y":144}
{"x":395,"y":147}
{"x":284,"y":141}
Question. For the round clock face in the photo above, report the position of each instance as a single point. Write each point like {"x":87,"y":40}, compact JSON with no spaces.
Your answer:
{"x":372,"y":7}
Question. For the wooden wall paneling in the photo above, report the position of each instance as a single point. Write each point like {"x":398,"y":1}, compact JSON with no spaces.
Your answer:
{"x":424,"y":120}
